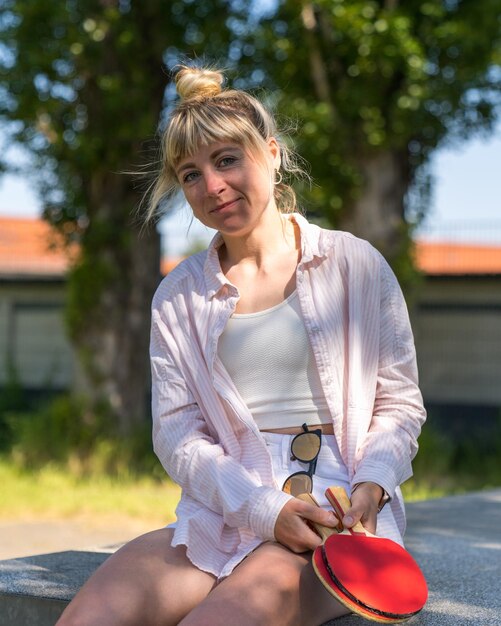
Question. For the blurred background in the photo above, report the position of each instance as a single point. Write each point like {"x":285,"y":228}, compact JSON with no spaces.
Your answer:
{"x":395,"y":107}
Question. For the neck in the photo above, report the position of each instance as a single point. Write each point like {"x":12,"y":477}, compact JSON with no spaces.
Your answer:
{"x":274,"y":235}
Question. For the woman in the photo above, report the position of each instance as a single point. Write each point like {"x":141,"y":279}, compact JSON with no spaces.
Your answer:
{"x":279,"y":324}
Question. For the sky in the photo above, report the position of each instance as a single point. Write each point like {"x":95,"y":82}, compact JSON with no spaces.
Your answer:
{"x":466,"y":204}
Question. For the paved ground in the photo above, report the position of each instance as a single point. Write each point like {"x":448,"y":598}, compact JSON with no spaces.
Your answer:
{"x":27,"y":538}
{"x":456,"y":540}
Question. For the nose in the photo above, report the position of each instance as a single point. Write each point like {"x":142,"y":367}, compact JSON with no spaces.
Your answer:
{"x":214,"y":183}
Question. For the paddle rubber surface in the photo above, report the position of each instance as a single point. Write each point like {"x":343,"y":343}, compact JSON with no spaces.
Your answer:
{"x":375,"y":574}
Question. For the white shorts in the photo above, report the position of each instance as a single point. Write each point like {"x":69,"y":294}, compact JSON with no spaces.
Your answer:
{"x":330,"y":469}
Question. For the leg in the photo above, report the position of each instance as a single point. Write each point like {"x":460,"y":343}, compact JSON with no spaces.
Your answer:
{"x":271,"y":586}
{"x":146,"y":582}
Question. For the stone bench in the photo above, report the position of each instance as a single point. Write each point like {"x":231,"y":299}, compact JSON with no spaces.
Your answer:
{"x":34,"y":590}
{"x":456,"y":540}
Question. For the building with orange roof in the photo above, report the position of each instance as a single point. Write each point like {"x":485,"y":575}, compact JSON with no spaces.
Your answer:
{"x":30,"y":248}
{"x":457,"y":259}
{"x":33,"y":345}
{"x":457,"y":329}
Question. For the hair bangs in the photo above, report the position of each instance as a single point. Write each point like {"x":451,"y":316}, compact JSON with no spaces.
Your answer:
{"x":200,"y":126}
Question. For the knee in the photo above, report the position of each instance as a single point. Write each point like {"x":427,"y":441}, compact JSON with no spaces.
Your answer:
{"x":278,"y":582}
{"x":283,"y":578}
{"x":71,"y":617}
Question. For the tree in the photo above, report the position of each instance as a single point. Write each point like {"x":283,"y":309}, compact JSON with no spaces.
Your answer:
{"x":83,"y":87}
{"x":377,"y":86}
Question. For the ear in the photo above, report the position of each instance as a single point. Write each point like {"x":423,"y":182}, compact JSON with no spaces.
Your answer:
{"x":274,"y":149}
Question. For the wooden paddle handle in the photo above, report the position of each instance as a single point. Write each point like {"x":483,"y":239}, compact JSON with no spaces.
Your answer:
{"x":324,"y":531}
{"x":340,"y":502}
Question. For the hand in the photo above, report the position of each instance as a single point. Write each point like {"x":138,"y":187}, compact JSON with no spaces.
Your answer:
{"x":292,"y":530}
{"x":364,"y":506}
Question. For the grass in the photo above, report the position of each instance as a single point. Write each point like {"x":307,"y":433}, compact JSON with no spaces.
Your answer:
{"x":414,"y":490}
{"x":52,"y":492}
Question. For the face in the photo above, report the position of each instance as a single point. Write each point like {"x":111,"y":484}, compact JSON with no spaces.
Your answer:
{"x":228,"y":187}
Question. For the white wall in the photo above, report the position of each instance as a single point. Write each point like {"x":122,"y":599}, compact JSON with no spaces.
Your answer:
{"x":457,"y":327}
{"x":32,"y":335}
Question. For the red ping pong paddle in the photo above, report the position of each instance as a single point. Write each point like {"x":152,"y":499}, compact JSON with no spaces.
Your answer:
{"x":372,"y":576}
{"x":322,"y":569}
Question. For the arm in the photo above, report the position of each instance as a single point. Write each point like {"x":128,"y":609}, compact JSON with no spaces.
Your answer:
{"x":192,"y":457}
{"x":383,"y":461}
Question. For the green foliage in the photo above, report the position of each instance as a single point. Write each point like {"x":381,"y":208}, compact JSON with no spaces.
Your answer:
{"x":86,"y":91}
{"x":69,"y":435}
{"x":367,"y":78}
{"x":69,"y":432}
{"x":453,"y":464}
{"x":87,"y":281}
{"x":11,"y":399}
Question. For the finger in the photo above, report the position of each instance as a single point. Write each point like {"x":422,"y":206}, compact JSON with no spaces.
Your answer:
{"x":366,"y":515}
{"x":298,"y":536}
{"x":364,"y":507}
{"x":370,"y":524}
{"x":352,"y":516}
{"x":309,"y":540}
{"x":369,"y":521}
{"x":320,"y":516}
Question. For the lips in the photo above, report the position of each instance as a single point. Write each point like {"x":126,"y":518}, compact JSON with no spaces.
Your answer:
{"x":223,"y":205}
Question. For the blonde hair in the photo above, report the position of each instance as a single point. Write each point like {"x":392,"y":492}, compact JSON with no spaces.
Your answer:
{"x":208,"y":113}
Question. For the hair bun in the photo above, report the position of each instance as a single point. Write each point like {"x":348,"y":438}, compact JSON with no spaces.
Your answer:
{"x":198,"y":83}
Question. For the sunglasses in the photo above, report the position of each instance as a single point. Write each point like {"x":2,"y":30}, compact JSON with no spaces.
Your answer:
{"x":305,"y":447}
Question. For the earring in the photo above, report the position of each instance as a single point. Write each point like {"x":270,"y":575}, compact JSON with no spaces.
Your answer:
{"x":279,"y":178}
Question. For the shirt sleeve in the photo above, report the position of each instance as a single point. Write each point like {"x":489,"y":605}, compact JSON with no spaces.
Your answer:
{"x":194,"y":459}
{"x":398,"y":414}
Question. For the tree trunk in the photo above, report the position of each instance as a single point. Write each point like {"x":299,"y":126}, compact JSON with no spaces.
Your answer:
{"x":378,"y":215}
{"x":113,"y":336}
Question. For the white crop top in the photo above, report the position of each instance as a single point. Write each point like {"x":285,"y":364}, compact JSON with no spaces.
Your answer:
{"x":270,"y":360}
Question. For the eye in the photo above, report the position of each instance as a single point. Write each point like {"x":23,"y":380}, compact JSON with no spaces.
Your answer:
{"x":189,"y":177}
{"x":226,"y":161}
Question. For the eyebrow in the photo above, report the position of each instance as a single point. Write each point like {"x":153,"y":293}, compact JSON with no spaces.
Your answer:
{"x":213,"y":155}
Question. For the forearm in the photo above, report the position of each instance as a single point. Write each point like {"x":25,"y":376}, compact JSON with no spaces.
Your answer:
{"x":390,"y":444}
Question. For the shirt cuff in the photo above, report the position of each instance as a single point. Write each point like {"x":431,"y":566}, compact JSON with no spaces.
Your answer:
{"x":263,"y":515}
{"x":379,"y":473}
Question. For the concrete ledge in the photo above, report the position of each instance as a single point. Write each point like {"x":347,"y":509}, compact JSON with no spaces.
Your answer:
{"x":456,"y":540}
{"x":35,"y":590}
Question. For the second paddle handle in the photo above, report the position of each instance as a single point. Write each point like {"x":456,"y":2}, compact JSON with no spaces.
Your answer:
{"x":324,"y":531}
{"x":340,"y":502}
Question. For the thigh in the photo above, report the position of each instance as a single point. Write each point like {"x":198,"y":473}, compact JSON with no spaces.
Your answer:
{"x":146,"y":582}
{"x":271,"y":586}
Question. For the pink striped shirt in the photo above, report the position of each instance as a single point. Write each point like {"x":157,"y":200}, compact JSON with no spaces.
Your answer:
{"x":204,"y":434}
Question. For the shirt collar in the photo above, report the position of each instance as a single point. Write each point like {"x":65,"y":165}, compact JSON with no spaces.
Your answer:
{"x":312,"y":245}
{"x":214,"y":277}
{"x":312,"y":242}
